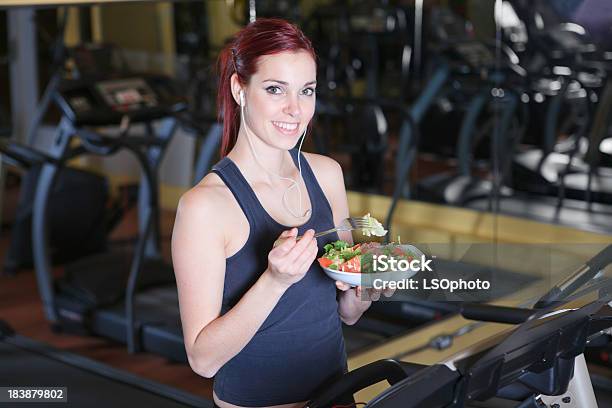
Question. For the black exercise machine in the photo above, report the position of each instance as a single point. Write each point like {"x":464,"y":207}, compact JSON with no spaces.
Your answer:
{"x":369,"y":42}
{"x":68,"y":240}
{"x":90,"y":65}
{"x":539,"y":364}
{"x":565,"y":55}
{"x":503,"y":193}
{"x":460,"y":68}
{"x":126,"y":298}
{"x":491,"y":88}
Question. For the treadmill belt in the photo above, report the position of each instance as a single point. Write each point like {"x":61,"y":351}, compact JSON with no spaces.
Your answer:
{"x":89,"y":384}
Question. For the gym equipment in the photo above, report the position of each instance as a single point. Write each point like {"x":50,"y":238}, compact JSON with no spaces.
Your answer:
{"x":126,"y":298}
{"x":462,"y":56}
{"x":360,"y":128}
{"x":363,"y":48}
{"x":540,"y":363}
{"x":506,"y":191}
{"x":380,"y":48}
{"x":369,"y":42}
{"x":68,"y":239}
{"x":535,"y":364}
{"x":484,"y":82}
{"x":31,"y":364}
{"x":328,"y":28}
{"x":200,"y":118}
{"x":565,"y":71}
{"x":580,"y":72}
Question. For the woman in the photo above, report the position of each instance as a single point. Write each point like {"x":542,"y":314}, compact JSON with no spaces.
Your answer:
{"x":264,"y":321}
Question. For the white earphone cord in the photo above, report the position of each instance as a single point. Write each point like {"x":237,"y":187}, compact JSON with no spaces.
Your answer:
{"x":294,"y":183}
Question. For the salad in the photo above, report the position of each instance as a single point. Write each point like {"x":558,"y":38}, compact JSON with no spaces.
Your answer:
{"x":373,"y":227}
{"x":340,"y":256}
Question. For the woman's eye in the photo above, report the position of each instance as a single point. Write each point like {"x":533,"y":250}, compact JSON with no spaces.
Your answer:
{"x":275,"y":90}
{"x":308,"y":91}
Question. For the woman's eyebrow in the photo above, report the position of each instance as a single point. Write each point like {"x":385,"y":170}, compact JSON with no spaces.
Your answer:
{"x":287,"y":83}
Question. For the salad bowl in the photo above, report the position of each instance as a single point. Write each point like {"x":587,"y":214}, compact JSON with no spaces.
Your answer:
{"x":354,"y":264}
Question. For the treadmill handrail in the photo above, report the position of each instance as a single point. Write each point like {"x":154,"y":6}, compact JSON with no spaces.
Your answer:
{"x":496,"y":314}
{"x":133,"y":339}
{"x":22,"y":155}
{"x":391,"y":370}
{"x":574,"y":281}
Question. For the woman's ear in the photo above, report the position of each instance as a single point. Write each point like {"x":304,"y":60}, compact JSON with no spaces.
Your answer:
{"x":236,"y":89}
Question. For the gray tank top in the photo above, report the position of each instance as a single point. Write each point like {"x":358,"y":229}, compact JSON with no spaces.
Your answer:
{"x":299,"y":348}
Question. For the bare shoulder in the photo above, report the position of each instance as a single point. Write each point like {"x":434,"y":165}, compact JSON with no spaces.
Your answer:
{"x":329,"y":175}
{"x":205,"y":200}
{"x":325,"y":168}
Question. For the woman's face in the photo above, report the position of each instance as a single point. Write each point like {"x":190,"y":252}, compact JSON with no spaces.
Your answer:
{"x":280,"y":98}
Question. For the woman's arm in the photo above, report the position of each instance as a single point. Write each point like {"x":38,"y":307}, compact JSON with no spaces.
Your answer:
{"x":198,"y":254}
{"x":329,"y":174}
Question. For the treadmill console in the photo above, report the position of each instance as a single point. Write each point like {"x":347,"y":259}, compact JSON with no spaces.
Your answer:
{"x":124,"y":95}
{"x":106,"y":102}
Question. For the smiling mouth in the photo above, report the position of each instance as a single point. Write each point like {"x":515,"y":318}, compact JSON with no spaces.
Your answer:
{"x":285,"y":127}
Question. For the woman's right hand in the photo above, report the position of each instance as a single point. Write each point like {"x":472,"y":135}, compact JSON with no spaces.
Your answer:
{"x":289,"y":261}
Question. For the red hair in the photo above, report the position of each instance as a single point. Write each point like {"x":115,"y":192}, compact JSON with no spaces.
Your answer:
{"x":264,"y":36}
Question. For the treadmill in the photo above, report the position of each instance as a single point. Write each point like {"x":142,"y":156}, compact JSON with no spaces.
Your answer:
{"x":531,"y":189}
{"x":86,"y":383}
{"x":125,"y":296}
{"x":566,"y":169}
{"x":466,"y":68}
{"x":564,"y":183}
{"x":539,"y":364}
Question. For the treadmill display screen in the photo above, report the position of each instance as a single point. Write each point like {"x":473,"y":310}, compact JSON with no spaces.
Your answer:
{"x":128,"y":97}
{"x":127,"y":94}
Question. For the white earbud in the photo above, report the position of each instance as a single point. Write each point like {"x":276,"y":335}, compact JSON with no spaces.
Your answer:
{"x":242,"y":101}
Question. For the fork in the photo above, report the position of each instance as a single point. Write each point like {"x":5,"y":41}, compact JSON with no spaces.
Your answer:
{"x":347,"y":224}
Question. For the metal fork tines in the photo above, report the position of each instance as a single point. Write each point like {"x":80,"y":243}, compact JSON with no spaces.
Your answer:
{"x":347,"y":224}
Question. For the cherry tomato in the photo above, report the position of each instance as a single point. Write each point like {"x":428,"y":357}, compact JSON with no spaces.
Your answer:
{"x":325,"y":262}
{"x":352,"y":265}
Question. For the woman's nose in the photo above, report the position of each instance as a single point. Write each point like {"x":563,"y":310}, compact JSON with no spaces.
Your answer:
{"x":292,"y":106}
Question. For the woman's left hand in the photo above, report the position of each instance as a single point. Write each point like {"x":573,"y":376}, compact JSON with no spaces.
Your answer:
{"x":371,"y":293}
{"x":350,"y":303}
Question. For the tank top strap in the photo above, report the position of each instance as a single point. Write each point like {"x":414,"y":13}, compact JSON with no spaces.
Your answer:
{"x":312,"y":184}
{"x":240,"y":188}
